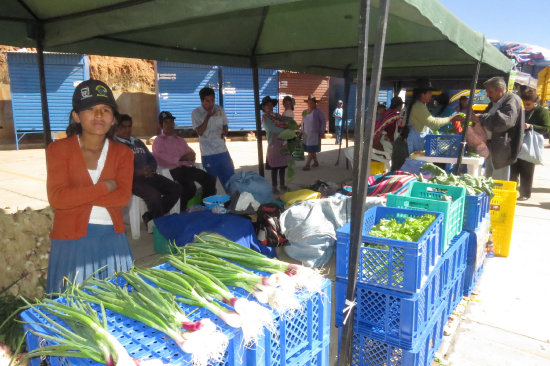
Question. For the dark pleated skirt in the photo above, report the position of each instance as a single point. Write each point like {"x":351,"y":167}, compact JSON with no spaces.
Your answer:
{"x":101,"y":253}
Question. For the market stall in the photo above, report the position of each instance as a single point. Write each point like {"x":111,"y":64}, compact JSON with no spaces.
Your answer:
{"x":308,"y":36}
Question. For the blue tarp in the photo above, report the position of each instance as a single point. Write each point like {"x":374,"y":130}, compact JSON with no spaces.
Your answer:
{"x":181,"y":228}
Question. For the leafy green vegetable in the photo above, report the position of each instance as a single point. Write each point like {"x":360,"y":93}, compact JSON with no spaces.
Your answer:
{"x":409,"y":230}
{"x":473,"y":185}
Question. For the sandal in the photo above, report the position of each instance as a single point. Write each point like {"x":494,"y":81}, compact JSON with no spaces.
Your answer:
{"x":315,"y":164}
{"x":306,"y":168}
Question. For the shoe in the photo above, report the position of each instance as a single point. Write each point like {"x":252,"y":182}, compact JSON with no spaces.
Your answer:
{"x":306,"y":168}
{"x":283,"y":188}
{"x":523,"y":198}
{"x":275,"y":190}
{"x":315,"y":164}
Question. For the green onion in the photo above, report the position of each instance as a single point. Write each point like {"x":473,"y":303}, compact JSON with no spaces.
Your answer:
{"x":79,"y":333}
{"x":304,"y":278}
{"x":159,"y":310}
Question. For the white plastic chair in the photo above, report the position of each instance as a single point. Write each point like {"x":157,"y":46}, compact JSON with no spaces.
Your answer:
{"x":137,"y":207}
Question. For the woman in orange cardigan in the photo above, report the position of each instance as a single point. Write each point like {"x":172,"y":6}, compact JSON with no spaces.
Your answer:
{"x":89,"y":181}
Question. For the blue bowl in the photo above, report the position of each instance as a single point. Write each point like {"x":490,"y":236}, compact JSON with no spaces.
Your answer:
{"x":213,"y":201}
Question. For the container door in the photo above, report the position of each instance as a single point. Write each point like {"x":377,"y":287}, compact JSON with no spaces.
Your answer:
{"x":178,"y":87}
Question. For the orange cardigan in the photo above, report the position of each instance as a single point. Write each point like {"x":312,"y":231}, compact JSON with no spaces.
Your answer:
{"x":72,"y":193}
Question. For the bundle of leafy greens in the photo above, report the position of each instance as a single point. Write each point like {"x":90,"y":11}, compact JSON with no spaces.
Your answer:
{"x":473,"y":185}
{"x":411,"y":229}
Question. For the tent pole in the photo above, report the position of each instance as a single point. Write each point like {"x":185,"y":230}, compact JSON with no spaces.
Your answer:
{"x":258,"y":118}
{"x":469,"y":111}
{"x":362,"y":149}
{"x":43,"y":94}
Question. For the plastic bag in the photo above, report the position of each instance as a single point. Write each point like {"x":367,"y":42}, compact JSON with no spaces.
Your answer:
{"x":476,"y":137}
{"x":247,"y":181}
{"x":532,"y":148}
{"x":290,"y":198}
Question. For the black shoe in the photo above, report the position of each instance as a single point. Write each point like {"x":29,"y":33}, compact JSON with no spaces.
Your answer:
{"x":523,"y":198}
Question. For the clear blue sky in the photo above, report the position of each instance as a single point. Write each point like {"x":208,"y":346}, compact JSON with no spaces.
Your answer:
{"x":523,"y":21}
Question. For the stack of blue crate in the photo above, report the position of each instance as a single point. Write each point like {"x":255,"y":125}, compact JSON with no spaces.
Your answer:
{"x":477,"y":222}
{"x":403,"y":290}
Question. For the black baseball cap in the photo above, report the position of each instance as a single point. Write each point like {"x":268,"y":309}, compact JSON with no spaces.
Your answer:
{"x":93,"y":92}
{"x":165,"y":115}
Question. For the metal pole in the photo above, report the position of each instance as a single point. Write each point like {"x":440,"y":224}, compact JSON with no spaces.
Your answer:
{"x":363,"y":144}
{"x":43,"y":95}
{"x":469,"y":110}
{"x":258,"y":118}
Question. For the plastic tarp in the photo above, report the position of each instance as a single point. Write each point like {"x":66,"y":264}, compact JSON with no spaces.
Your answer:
{"x":424,"y":39}
{"x":182,"y":228}
{"x":310,"y":227}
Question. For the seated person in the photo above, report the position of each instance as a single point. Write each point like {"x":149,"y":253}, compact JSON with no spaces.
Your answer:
{"x":159,"y":193}
{"x":172,"y":152}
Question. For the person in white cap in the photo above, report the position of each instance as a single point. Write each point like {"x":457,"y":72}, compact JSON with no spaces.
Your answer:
{"x":338,"y":114}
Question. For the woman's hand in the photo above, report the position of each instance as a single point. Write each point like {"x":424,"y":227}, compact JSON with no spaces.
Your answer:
{"x":528,"y":126}
{"x":111,"y":184}
{"x":457,"y":118}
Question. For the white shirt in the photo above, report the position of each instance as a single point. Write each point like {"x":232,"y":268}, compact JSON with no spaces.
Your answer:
{"x":288,"y":113}
{"x":100,"y":215}
{"x":211,"y":142}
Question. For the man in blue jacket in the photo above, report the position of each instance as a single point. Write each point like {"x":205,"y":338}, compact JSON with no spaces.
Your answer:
{"x":159,"y":193}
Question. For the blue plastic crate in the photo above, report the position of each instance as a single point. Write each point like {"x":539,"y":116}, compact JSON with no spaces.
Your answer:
{"x":454,"y":294}
{"x":367,"y":351}
{"x":392,"y":316}
{"x":287,"y":347}
{"x":430,"y":196}
{"x":444,"y":146}
{"x":454,"y":259}
{"x":476,"y":209}
{"x":301,"y":337}
{"x":399,"y":265}
{"x":472,"y":276}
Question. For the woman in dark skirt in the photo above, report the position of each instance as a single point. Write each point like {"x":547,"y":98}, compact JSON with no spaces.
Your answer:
{"x":89,"y":181}
{"x":313,"y":126}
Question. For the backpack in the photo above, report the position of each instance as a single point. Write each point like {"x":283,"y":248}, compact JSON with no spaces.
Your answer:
{"x":268,"y":227}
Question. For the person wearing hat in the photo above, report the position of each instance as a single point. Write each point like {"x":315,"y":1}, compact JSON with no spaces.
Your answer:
{"x":276,"y":160}
{"x":89,"y":181}
{"x":337,"y":115}
{"x":172,"y":152}
{"x":388,"y":124}
{"x":420,"y":120}
{"x":159,"y":193}
{"x":211,"y":124}
{"x":313,"y":126}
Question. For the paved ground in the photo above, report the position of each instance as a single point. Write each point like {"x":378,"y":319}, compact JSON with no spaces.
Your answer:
{"x":507,"y":324}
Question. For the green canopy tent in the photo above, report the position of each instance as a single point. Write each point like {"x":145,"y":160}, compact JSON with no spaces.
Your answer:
{"x":314,"y":36}
{"x":413,"y":38}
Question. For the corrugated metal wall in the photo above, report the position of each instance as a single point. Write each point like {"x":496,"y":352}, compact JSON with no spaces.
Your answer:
{"x":384,"y":97}
{"x":178,"y":87}
{"x":63,"y":73}
{"x":238,"y":94}
{"x":299,"y":86}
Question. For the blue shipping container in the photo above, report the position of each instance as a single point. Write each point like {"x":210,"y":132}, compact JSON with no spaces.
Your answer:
{"x":63,"y":73}
{"x":178,"y":87}
{"x":238,"y":94}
